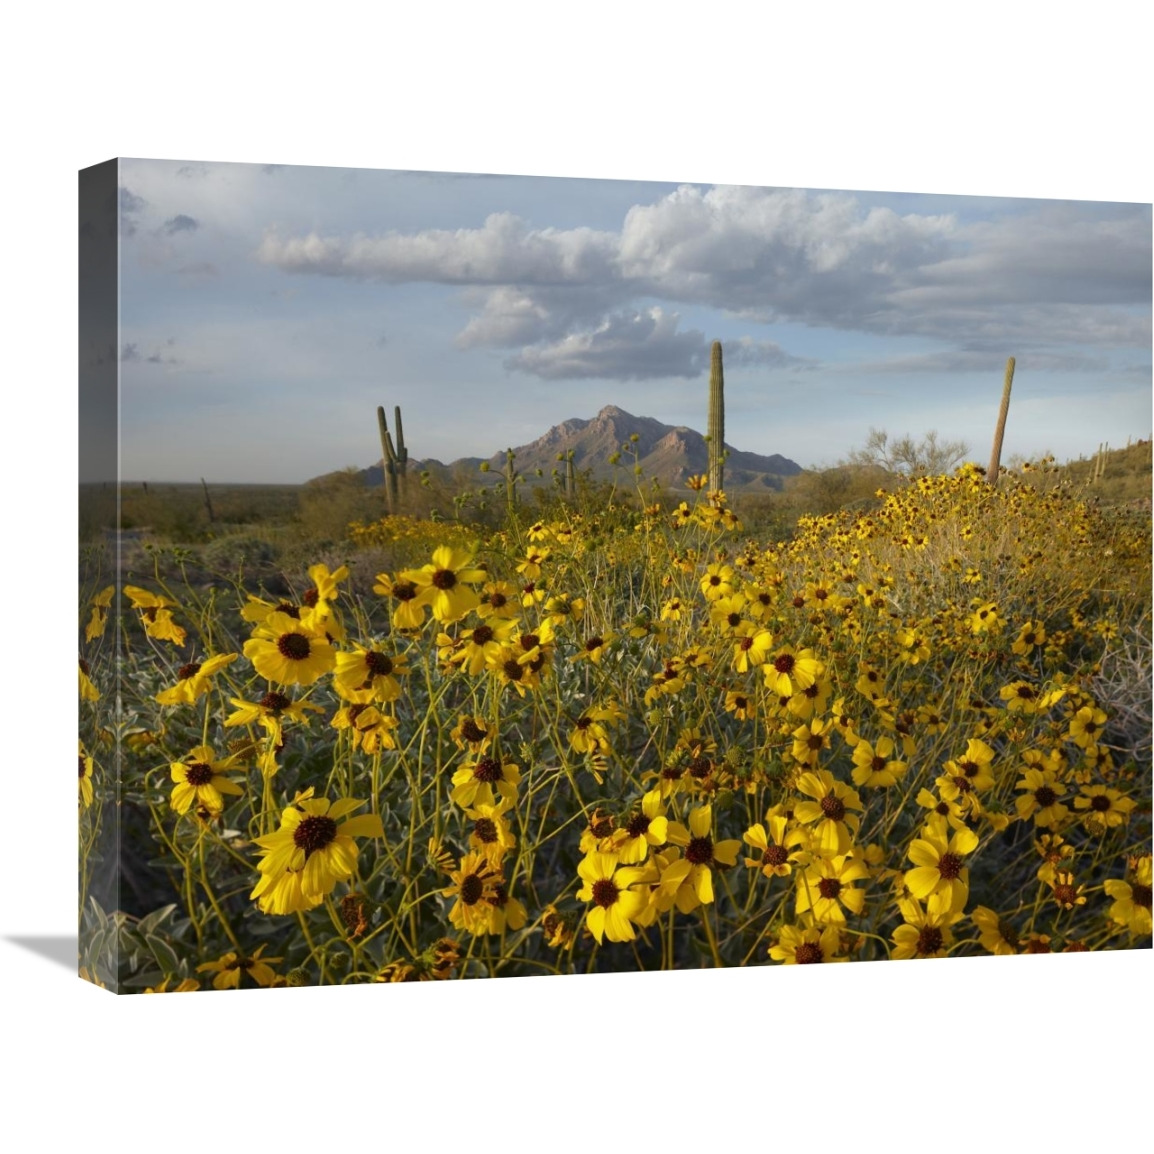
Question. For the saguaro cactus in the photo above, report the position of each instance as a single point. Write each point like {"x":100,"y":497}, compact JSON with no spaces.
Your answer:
{"x":716,"y":420}
{"x":388,"y":462}
{"x":996,"y":454}
{"x":207,"y":500}
{"x":402,"y":454}
{"x":510,"y":479}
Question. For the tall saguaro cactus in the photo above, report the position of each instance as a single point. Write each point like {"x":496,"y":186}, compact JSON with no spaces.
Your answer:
{"x":511,"y":478}
{"x":716,"y":420}
{"x":388,"y":461}
{"x":402,"y":454}
{"x":999,"y":432}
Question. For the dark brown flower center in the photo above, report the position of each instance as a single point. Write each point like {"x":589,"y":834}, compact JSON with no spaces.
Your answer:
{"x":878,"y":764}
{"x":1008,"y":933}
{"x":486,"y":830}
{"x":187,"y":671}
{"x":1045,"y":796}
{"x":197,"y":773}
{"x":289,"y":610}
{"x":930,"y":940}
{"x":1100,"y":802}
{"x":584,"y":722}
{"x":314,"y":832}
{"x":593,"y":643}
{"x":699,"y":851}
{"x":355,"y":710}
{"x":605,"y":892}
{"x":529,"y":641}
{"x":833,"y":807}
{"x":950,"y":866}
{"x":1026,"y":693}
{"x":808,"y":953}
{"x":471,"y":731}
{"x":294,"y":646}
{"x":85,"y":668}
{"x":83,"y":765}
{"x":514,"y":670}
{"x":969,"y":768}
{"x":482,"y":635}
{"x":378,"y":664}
{"x":404,"y":591}
{"x":829,"y":887}
{"x":1140,"y":895}
{"x":741,"y":702}
{"x":1065,"y":895}
{"x":1037,"y":946}
{"x":638,"y":825}
{"x":488,"y":770}
{"x":311,"y":597}
{"x":275,"y":702}
{"x":699,"y":767}
{"x":776,"y":855}
{"x":497,"y":600}
{"x":472,"y":888}
{"x":444,"y":579}
{"x":784,"y":663}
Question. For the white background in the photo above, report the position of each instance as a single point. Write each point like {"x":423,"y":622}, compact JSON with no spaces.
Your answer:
{"x":978,"y":98}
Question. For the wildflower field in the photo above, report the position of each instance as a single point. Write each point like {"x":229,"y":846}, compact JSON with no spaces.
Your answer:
{"x":628,"y":737}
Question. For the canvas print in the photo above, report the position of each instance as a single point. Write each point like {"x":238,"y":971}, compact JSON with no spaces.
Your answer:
{"x":489,"y":576}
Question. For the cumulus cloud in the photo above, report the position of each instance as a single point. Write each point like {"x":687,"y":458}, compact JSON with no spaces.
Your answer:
{"x":130,"y":206}
{"x":503,"y":251}
{"x":625,"y":346}
{"x":745,"y":351}
{"x":180,"y":223}
{"x":1046,"y":277}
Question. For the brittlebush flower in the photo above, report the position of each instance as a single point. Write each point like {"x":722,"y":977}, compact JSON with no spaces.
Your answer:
{"x":410,"y":611}
{"x":1131,"y":907}
{"x":101,"y":603}
{"x":791,"y":671}
{"x":646,"y":827}
{"x":443,"y":584}
{"x":926,"y":930}
{"x":192,"y":680}
{"x":939,"y":859}
{"x":369,"y":674}
{"x":1103,"y":808}
{"x":873,"y":765}
{"x":826,"y":885}
{"x":85,"y":786}
{"x":802,"y":945}
{"x":200,"y":780}
{"x":270,"y":711}
{"x":302,"y":861}
{"x":155,"y":614}
{"x":1042,"y":789}
{"x":474,"y":886}
{"x":288,"y":651}
{"x":230,"y":968}
{"x":480,"y":782}
{"x":994,"y":932}
{"x":830,"y":809}
{"x":616,"y":905}
{"x":690,"y":879}
{"x":88,"y":691}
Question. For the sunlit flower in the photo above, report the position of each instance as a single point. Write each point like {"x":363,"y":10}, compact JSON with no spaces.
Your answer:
{"x":230,"y":968}
{"x":200,"y":780}
{"x":192,"y":680}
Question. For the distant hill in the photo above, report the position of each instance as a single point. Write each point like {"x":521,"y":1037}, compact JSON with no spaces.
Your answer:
{"x":671,"y":453}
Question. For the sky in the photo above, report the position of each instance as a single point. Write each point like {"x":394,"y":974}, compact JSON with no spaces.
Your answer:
{"x":266,"y":310}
